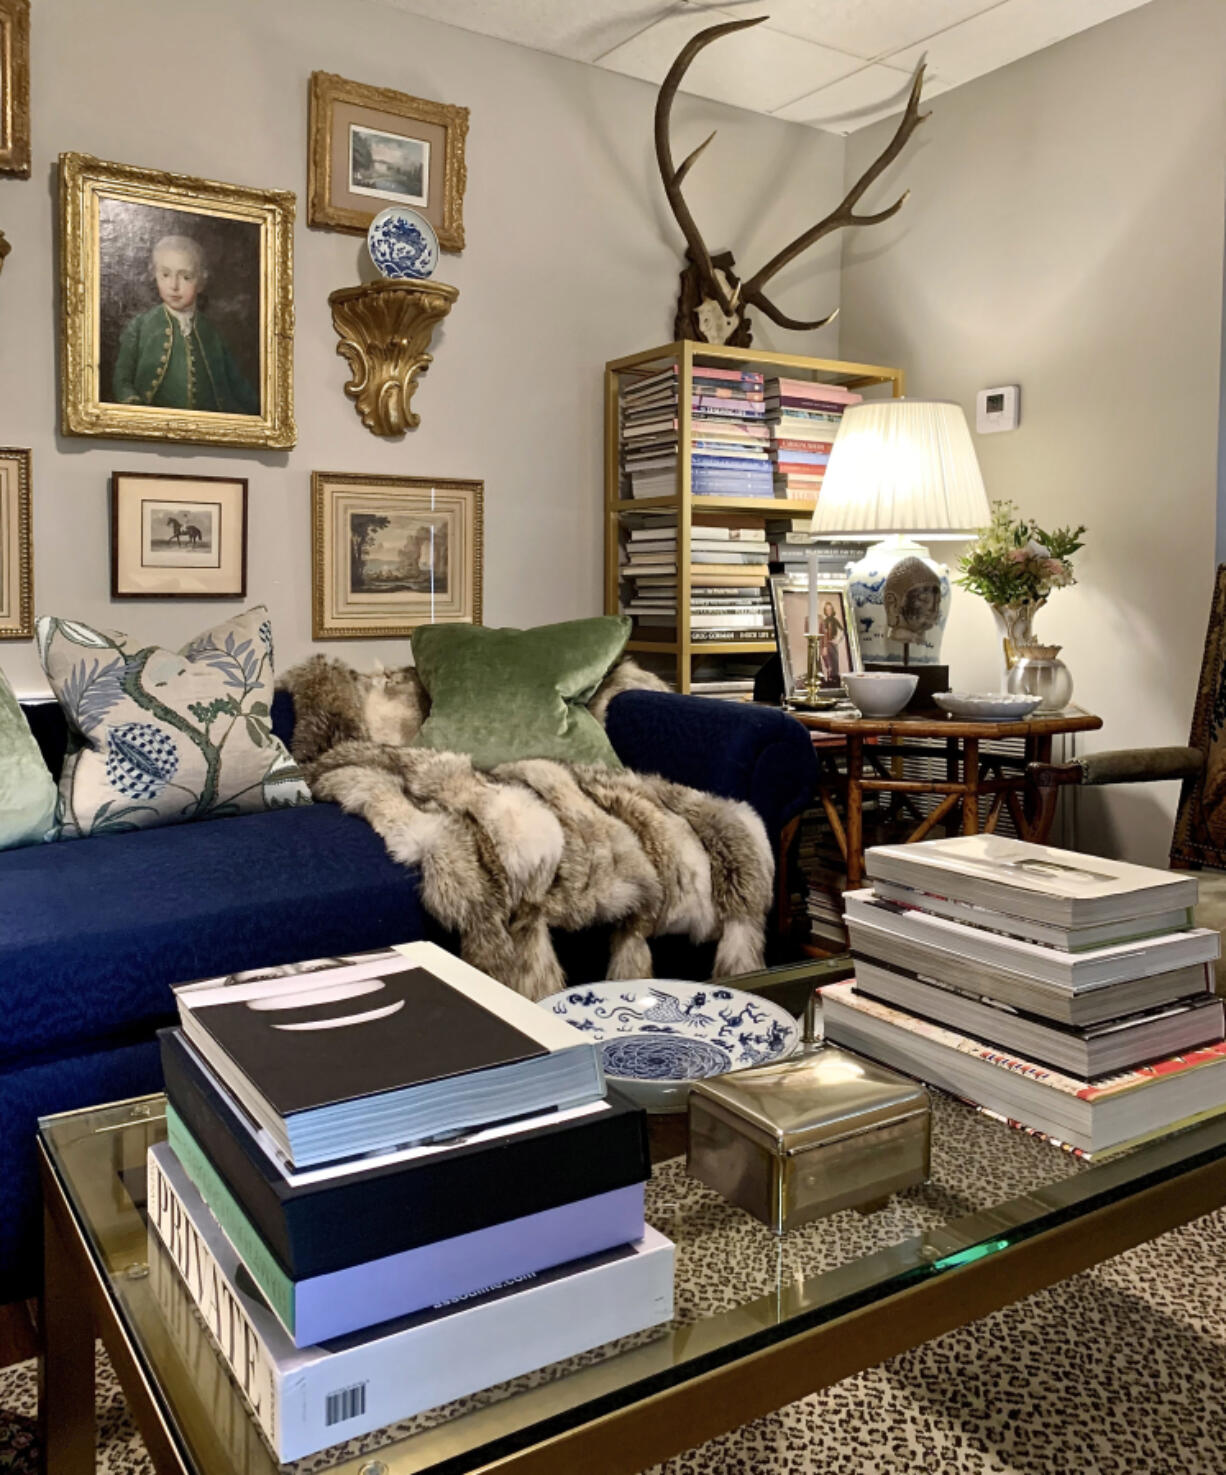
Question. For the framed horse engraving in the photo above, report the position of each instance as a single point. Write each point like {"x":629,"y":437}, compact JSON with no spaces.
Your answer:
{"x":178,"y":537}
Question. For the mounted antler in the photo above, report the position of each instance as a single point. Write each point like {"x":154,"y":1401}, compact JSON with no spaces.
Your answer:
{"x":709,"y":291}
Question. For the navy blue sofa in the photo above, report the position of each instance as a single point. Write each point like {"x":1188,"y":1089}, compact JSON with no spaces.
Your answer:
{"x":93,"y":933}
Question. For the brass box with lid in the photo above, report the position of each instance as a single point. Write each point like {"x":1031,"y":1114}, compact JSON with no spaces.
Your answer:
{"x":808,"y":1137}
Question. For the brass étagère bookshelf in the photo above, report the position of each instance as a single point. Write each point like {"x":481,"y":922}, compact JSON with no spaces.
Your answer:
{"x":686,"y":355}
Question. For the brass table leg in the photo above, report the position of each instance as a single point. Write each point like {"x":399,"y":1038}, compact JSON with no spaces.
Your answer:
{"x":66,"y":1366}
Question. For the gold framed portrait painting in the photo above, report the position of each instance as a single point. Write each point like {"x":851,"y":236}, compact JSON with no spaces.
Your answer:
{"x":371,"y":148}
{"x":178,"y":537}
{"x":177,"y":305}
{"x":390,"y":553}
{"x":16,"y":551}
{"x":15,"y":87}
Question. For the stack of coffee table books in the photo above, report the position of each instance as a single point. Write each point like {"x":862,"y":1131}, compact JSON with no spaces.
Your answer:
{"x":390,"y":1182}
{"x":1067,"y":993}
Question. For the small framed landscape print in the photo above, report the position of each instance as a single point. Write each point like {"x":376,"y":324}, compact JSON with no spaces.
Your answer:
{"x":178,"y":537}
{"x":177,"y":307}
{"x":371,"y":148}
{"x":16,"y":551}
{"x":839,"y":648}
{"x":390,"y":553}
{"x":15,"y":87}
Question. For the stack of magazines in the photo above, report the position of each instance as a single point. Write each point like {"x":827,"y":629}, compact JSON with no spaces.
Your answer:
{"x":390,"y":1182}
{"x":1064,"y":992}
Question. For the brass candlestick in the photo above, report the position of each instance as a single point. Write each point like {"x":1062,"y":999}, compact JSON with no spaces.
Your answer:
{"x":813,"y":670}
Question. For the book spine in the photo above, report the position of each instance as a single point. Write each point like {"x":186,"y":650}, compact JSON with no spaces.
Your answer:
{"x":234,"y":1334}
{"x":342,"y":1301}
{"x":402,"y":1368}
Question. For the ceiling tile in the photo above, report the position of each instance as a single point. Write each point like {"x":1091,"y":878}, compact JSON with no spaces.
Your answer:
{"x":870,"y":28}
{"x":758,"y":69}
{"x":867,"y":96}
{"x":1007,"y":33}
{"x":582,"y":32}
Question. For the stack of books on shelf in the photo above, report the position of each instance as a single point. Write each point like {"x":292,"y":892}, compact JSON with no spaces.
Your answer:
{"x":729,"y":449}
{"x":791,"y":542}
{"x":728,"y":678}
{"x":1068,"y":994}
{"x":392,"y":1182}
{"x":728,"y":598}
{"x":804,"y":419}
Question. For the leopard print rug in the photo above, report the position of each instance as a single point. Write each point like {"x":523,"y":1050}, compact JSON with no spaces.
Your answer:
{"x":1118,"y":1371}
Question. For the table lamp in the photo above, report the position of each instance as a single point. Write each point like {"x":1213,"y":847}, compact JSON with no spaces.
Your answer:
{"x":901,"y":470}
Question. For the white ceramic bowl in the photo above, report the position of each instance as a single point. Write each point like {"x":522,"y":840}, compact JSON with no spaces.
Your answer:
{"x":880,"y":693}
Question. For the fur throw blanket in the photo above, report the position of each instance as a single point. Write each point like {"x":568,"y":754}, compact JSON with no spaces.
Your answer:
{"x":506,"y":855}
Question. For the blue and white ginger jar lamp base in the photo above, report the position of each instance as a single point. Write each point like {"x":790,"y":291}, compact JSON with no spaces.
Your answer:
{"x":866,"y":582}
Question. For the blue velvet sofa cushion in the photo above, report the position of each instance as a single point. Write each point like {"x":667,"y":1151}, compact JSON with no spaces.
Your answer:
{"x":93,"y":935}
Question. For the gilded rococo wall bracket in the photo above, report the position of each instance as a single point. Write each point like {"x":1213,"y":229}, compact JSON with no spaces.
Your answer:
{"x":384,"y":329}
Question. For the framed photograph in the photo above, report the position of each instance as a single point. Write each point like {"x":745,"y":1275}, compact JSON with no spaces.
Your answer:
{"x":178,"y":537}
{"x":16,"y":547}
{"x":371,"y":148}
{"x":840,"y":642}
{"x":177,"y":303}
{"x":389,"y":553}
{"x":15,"y":87}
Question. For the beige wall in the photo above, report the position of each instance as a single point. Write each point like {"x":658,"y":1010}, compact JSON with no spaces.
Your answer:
{"x":572,"y":259}
{"x":1065,"y":232}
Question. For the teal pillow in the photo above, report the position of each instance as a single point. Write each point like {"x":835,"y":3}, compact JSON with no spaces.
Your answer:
{"x":502,"y":695}
{"x":27,"y":790}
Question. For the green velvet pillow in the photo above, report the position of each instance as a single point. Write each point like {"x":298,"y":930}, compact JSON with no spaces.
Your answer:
{"x":501,"y":695}
{"x":27,"y":790}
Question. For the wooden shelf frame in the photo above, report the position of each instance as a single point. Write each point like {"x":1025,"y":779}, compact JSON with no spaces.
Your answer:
{"x":687,"y":355}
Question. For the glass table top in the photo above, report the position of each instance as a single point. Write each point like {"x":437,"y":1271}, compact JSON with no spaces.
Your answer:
{"x":739,"y":1288}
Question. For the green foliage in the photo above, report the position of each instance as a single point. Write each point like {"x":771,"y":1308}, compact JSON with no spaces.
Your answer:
{"x":1015,"y":560}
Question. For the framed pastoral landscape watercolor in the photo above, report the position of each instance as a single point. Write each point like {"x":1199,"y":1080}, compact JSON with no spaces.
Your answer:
{"x":16,"y":551}
{"x":178,"y":537}
{"x":390,"y":553}
{"x":15,"y":87}
{"x":177,"y":303}
{"x":371,"y":148}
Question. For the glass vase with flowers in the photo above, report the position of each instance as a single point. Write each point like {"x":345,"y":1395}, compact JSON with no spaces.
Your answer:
{"x":1015,"y":564}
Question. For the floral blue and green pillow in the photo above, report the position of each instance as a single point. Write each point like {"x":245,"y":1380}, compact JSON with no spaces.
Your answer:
{"x":158,"y":737}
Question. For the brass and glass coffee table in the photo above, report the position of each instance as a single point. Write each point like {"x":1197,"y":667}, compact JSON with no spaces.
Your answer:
{"x":759,"y":1322}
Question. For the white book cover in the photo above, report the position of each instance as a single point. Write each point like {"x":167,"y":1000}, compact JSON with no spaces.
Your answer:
{"x":307,"y":1398}
{"x":1029,"y":880}
{"x":1087,"y":969}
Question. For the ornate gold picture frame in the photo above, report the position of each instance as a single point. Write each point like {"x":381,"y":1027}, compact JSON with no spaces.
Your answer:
{"x":177,"y":305}
{"x":371,"y":147}
{"x":16,"y":546}
{"x":15,"y":87}
{"x":389,"y":553}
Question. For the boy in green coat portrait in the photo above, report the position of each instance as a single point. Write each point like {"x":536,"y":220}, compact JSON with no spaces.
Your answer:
{"x":172,"y":355}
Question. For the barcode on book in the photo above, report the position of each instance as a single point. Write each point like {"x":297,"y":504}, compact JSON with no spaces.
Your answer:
{"x":348,"y":1403}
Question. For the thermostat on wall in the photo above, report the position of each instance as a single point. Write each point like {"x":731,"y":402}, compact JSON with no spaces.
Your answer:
{"x":997,"y":409}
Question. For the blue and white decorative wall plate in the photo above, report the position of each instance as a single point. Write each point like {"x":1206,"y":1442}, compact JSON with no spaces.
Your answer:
{"x":659,"y":1035}
{"x":402,"y":244}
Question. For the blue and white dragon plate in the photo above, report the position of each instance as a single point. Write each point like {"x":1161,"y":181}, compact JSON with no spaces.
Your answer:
{"x":402,"y":243}
{"x":657,"y":1036}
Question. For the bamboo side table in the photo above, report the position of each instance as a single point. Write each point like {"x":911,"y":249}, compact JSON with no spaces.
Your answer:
{"x":969,"y":774}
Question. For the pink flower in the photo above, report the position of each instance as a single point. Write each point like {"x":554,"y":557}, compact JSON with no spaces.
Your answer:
{"x":1017,"y":555}
{"x":1054,"y":567}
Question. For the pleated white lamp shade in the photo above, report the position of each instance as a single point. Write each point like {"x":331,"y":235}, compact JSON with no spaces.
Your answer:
{"x":902,"y":466}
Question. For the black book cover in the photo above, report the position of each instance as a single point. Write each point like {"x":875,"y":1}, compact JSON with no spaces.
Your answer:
{"x":372,"y":1212}
{"x":413,"y":1028}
